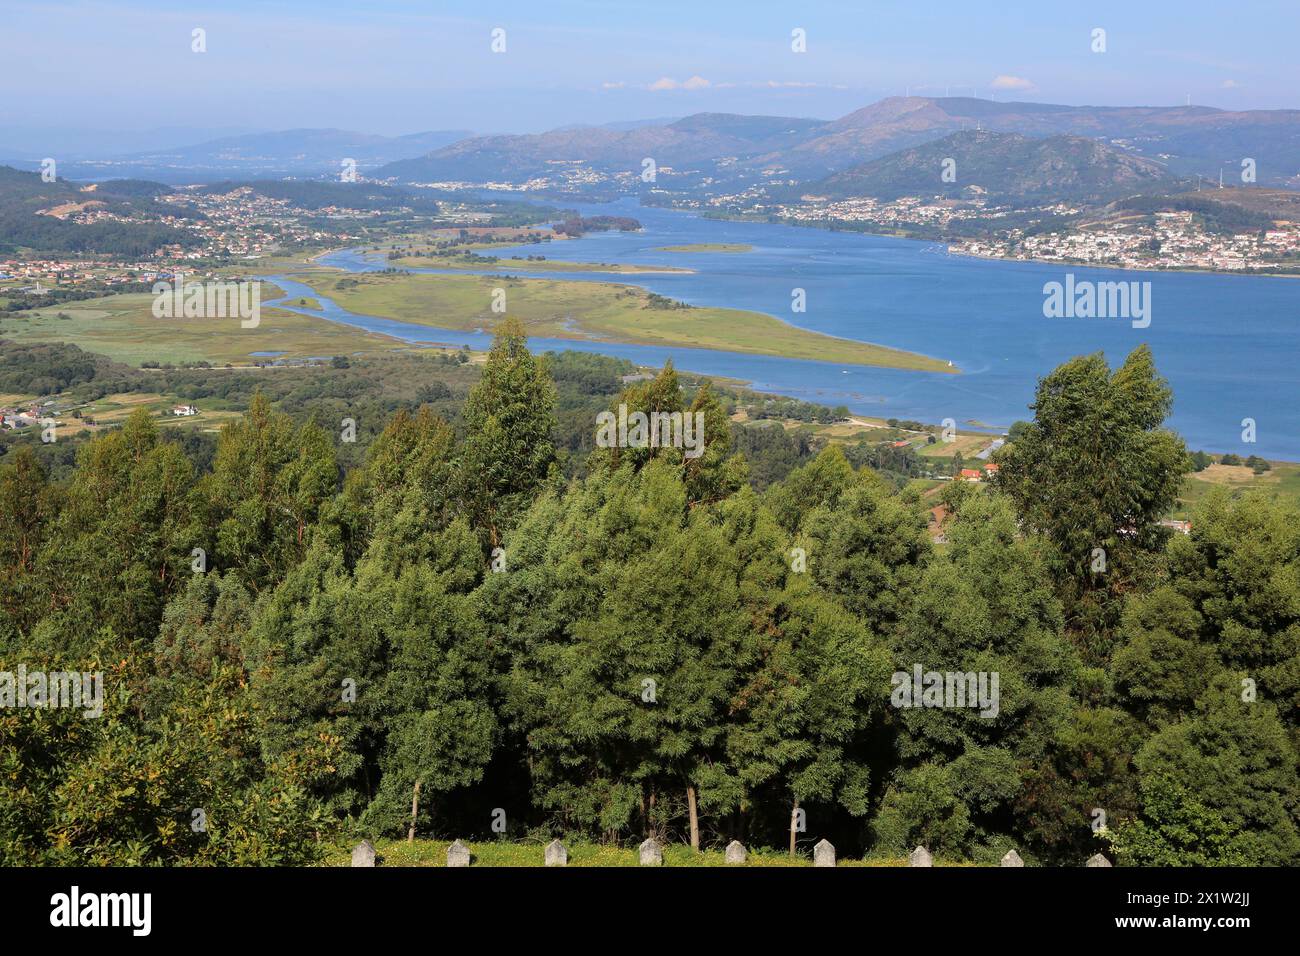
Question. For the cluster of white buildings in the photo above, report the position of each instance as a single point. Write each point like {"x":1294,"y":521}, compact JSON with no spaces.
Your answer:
{"x":28,"y":416}
{"x":245,"y":223}
{"x":240,"y":223}
{"x":79,"y":270}
{"x":568,"y":175}
{"x":1169,"y":240}
{"x":907,"y":211}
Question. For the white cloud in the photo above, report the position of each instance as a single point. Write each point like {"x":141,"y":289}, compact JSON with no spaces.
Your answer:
{"x":1231,"y":85}
{"x":668,"y":83}
{"x":608,"y":85}
{"x":1004,"y":82}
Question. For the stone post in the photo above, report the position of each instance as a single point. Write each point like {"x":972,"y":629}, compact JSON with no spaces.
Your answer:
{"x":363,"y":854}
{"x":652,"y":854}
{"x":556,"y":854}
{"x":824,"y":854}
{"x":458,"y":854}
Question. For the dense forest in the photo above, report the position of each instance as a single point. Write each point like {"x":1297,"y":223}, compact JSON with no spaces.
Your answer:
{"x":301,"y":641}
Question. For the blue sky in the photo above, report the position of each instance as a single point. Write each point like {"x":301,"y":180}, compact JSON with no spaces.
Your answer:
{"x":396,"y":67}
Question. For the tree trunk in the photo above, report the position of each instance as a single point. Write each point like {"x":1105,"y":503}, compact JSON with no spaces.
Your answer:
{"x":695,"y":817}
{"x":415,"y":808}
{"x":794,"y":816}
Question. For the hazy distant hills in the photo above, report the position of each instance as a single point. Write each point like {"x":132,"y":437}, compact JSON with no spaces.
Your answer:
{"x":299,"y":148}
{"x":723,"y":151}
{"x":1188,"y":140}
{"x":700,"y":139}
{"x":316,"y":195}
{"x":295,"y":152}
{"x":27,"y":192}
{"x":1003,"y":166}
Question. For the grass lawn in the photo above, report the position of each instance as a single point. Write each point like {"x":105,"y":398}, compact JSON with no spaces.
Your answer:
{"x":503,"y":853}
{"x":124,"y":328}
{"x":599,"y":311}
{"x":709,"y":247}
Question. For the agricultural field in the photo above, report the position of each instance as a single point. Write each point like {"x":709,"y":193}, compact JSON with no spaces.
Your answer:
{"x":857,"y":428}
{"x":966,"y":444}
{"x":1282,"y":482}
{"x":72,"y":418}
{"x":598,"y":311}
{"x":113,"y":410}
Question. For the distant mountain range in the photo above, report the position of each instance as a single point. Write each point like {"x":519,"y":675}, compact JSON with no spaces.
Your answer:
{"x":1191,"y":140}
{"x":723,"y":151}
{"x":700,"y":139}
{"x":295,"y":152}
{"x":300,"y":149}
{"x":1004,"y":167}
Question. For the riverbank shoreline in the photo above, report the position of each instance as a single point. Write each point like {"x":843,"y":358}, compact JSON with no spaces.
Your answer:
{"x":946,"y":242}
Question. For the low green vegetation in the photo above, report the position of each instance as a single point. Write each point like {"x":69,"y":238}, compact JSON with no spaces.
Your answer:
{"x":709,"y":247}
{"x":124,"y":328}
{"x":598,"y":311}
{"x":536,"y":263}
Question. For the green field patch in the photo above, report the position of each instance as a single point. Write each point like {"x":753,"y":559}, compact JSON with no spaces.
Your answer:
{"x":124,"y":328}
{"x":1281,"y":482}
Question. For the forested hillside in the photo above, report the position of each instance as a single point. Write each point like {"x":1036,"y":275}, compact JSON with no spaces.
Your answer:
{"x":298,"y":643}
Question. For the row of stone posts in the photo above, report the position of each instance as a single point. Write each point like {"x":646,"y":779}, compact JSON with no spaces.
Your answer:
{"x":652,"y":854}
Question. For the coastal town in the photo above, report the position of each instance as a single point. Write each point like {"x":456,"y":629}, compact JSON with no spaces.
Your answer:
{"x":228,"y":227}
{"x":1173,"y":241}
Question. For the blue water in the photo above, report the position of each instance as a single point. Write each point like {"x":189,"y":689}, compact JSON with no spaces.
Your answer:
{"x":1227,"y":344}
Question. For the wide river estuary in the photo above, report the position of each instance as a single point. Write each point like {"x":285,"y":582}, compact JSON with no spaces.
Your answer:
{"x":1229,"y":345}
